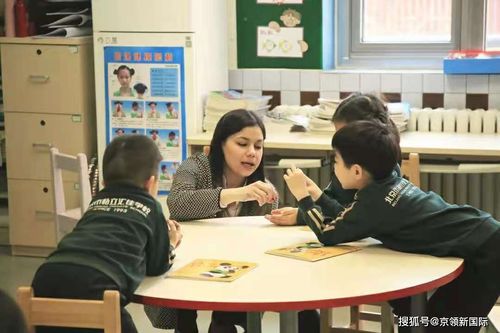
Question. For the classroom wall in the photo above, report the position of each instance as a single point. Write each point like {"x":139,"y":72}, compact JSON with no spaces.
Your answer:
{"x":419,"y":88}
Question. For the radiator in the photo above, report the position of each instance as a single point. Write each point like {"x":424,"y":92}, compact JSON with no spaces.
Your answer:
{"x":475,"y":184}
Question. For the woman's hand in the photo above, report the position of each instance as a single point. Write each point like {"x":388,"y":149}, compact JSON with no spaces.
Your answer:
{"x":174,"y":233}
{"x":259,"y":191}
{"x":283,"y":216}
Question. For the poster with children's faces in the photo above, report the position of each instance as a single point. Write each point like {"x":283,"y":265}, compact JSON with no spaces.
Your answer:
{"x":167,"y":172}
{"x":145,"y":95}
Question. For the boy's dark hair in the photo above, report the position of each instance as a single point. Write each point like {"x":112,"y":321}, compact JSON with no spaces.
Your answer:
{"x":135,"y":104}
{"x":131,"y":159}
{"x":130,"y":70}
{"x":172,"y":133}
{"x":169,"y":104}
{"x":140,"y":88}
{"x":370,"y":144}
{"x":360,"y":106}
{"x":230,"y":123}
{"x":152,"y":102}
{"x":117,"y":102}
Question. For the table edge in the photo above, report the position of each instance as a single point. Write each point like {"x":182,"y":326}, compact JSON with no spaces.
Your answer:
{"x":299,"y":305}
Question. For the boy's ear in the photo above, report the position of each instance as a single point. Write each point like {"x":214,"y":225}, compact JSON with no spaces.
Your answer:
{"x":357,"y":171}
{"x":151,"y":185}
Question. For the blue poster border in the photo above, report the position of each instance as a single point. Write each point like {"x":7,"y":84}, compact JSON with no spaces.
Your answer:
{"x":176,"y":57}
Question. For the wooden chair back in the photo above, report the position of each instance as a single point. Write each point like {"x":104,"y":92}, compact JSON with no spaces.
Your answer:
{"x":65,"y":219}
{"x":77,"y":313}
{"x":411,"y":168}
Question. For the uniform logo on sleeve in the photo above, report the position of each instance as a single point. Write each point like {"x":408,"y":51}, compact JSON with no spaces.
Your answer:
{"x":395,"y":193}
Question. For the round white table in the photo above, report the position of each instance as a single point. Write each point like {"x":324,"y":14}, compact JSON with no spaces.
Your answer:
{"x":372,"y":274}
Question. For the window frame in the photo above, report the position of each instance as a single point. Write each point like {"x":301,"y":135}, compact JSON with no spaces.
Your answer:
{"x":351,"y":53}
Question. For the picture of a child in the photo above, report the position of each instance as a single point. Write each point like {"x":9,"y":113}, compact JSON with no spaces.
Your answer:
{"x":171,"y":111}
{"x":165,"y":175}
{"x":172,"y":140}
{"x":118,"y":112}
{"x":119,"y":132}
{"x":124,"y":75}
{"x":136,"y":111}
{"x":140,"y":89}
{"x":156,"y":138}
{"x":153,"y":112}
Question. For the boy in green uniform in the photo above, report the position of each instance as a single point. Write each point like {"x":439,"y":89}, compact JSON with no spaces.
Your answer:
{"x":389,"y":208}
{"x":122,"y":236}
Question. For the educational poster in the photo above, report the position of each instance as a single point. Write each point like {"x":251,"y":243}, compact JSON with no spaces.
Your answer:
{"x":312,"y":251}
{"x":284,"y":43}
{"x":280,"y":2}
{"x":213,"y":270}
{"x":145,"y":95}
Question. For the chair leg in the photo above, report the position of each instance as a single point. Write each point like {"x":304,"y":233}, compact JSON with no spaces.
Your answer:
{"x":355,"y":320}
{"x":325,"y":320}
{"x":387,"y":318}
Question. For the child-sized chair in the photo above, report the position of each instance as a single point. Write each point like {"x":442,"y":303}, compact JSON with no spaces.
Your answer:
{"x":66,"y":219}
{"x":61,"y":312}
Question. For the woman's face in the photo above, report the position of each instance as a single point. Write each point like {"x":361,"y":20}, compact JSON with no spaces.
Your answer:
{"x":124,"y":77}
{"x":243,"y":151}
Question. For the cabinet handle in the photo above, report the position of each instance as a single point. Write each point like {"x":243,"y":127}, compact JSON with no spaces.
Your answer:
{"x":42,"y":145}
{"x":44,"y":215}
{"x":39,"y":78}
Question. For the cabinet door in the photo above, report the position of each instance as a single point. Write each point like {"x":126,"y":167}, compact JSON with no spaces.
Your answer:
{"x":30,"y":136}
{"x":31,"y":211}
{"x":44,"y":78}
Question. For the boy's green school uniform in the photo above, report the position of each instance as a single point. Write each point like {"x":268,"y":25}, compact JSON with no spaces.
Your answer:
{"x":121,"y":238}
{"x":404,"y":218}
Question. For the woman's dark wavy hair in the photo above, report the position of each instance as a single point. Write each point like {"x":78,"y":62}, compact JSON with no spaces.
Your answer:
{"x":231,"y":123}
{"x":360,"y":106}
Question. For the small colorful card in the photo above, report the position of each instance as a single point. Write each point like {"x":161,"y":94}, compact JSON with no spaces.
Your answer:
{"x":213,"y":270}
{"x":312,"y":251}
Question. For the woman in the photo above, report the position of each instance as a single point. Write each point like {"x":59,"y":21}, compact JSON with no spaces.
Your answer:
{"x":228,"y":182}
{"x":355,"y":107}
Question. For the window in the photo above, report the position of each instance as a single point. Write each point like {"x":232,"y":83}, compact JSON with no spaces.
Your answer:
{"x":410,"y":33}
{"x":493,"y":24}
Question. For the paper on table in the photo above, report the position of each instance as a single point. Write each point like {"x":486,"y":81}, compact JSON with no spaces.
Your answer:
{"x":68,"y":11}
{"x":213,"y":270}
{"x":69,"y":21}
{"x":67,"y":32}
{"x":312,"y":251}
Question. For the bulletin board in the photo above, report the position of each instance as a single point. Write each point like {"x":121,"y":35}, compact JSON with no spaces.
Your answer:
{"x":252,"y":16}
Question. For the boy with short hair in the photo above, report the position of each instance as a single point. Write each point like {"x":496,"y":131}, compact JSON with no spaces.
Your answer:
{"x":404,"y":218}
{"x":122,"y":236}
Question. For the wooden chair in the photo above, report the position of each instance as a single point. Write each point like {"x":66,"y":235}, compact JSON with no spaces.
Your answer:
{"x":66,"y":219}
{"x":61,"y":312}
{"x":410,"y":168}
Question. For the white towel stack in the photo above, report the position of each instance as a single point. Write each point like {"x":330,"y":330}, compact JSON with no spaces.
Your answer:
{"x":220,"y":102}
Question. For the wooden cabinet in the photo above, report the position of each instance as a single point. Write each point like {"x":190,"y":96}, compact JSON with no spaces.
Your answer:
{"x":48,"y":87}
